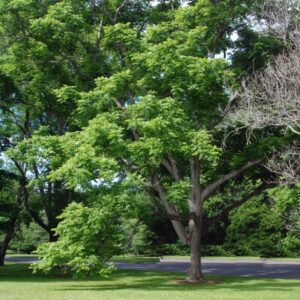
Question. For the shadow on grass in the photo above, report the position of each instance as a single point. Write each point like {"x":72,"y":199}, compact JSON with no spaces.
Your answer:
{"x":143,"y":280}
{"x":14,"y":272}
{"x":160,"y":281}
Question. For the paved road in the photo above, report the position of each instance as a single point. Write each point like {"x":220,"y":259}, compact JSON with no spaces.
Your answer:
{"x":245,"y":269}
{"x":22,"y":259}
{"x":238,"y":268}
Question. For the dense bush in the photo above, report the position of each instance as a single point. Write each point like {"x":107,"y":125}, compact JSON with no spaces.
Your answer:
{"x":255,"y":230}
{"x":267,"y":226}
{"x":291,"y":245}
{"x":216,"y":250}
{"x":88,"y":238}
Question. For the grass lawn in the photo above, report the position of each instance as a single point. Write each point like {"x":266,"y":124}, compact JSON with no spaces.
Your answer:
{"x":17,"y":283}
{"x":135,"y":259}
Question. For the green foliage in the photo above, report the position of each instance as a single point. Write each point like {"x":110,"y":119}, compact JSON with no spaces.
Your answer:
{"x":28,"y":238}
{"x":291,"y":245}
{"x":9,"y":208}
{"x":218,"y":250}
{"x":253,"y":51}
{"x":88,"y":238}
{"x":137,"y":236}
{"x":254,"y":230}
{"x":102,"y":98}
{"x":176,"y":192}
{"x":287,"y":205}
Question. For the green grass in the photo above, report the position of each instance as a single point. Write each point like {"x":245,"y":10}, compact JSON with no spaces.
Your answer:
{"x":135,"y":259}
{"x":17,"y":283}
{"x":20,"y":254}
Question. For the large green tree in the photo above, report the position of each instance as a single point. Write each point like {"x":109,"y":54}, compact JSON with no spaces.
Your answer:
{"x":132,"y":94}
{"x":47,"y":47}
{"x":158,"y":117}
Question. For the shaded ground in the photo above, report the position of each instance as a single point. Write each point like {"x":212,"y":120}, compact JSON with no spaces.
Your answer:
{"x":245,"y":269}
{"x":18,"y":283}
{"x":284,"y":270}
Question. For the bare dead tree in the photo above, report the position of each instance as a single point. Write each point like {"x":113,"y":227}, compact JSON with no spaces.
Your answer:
{"x":286,"y":164}
{"x":271,"y":97}
{"x":277,"y":17}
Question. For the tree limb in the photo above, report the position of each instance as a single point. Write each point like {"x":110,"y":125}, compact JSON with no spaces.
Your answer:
{"x":172,"y":167}
{"x":262,"y":187}
{"x":118,"y":10}
{"x":211,"y":188}
{"x":171,"y":210}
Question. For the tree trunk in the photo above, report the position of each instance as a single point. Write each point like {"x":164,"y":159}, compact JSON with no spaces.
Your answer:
{"x":195,"y":270}
{"x":52,"y":236}
{"x":195,"y":222}
{"x":8,"y":237}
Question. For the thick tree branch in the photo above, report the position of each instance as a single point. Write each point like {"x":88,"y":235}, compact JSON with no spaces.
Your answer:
{"x":99,"y":35}
{"x":33,"y":214}
{"x":8,"y":236}
{"x":171,"y":210}
{"x":211,"y":188}
{"x":262,"y":187}
{"x":25,"y":199}
{"x":172,"y":167}
{"x":118,"y":10}
{"x":195,"y":200}
{"x":9,"y":175}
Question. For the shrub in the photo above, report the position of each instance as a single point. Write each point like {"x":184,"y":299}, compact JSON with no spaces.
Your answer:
{"x":88,"y":238}
{"x":254,"y":230}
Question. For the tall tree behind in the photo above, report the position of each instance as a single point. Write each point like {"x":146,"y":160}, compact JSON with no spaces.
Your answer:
{"x":270,"y":97}
{"x":47,"y":48}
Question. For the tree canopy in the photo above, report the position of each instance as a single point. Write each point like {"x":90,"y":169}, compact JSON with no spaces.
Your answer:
{"x":120,"y":99}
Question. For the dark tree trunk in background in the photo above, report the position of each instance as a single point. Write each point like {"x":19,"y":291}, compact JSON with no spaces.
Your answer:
{"x":7,"y":238}
{"x":52,"y":236}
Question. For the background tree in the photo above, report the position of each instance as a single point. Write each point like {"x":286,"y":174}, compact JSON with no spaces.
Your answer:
{"x":9,"y":211}
{"x":47,"y":48}
{"x":270,"y":97}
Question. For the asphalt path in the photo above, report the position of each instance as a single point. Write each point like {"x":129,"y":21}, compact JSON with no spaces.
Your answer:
{"x":263,"y":269}
{"x":244,"y":269}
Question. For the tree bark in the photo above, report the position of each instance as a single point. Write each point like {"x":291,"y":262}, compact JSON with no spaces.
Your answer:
{"x":195,"y":271}
{"x":195,"y":222}
{"x":8,"y":237}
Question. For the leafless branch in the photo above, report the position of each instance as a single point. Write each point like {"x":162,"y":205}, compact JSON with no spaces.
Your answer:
{"x":286,"y":164}
{"x":279,"y":17}
{"x":271,"y":97}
